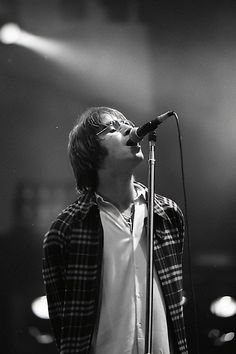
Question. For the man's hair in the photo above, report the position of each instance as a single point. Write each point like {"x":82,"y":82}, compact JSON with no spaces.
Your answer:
{"x":85,"y":151}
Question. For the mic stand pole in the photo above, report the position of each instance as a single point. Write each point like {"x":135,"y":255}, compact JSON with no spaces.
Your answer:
{"x":149,"y":277}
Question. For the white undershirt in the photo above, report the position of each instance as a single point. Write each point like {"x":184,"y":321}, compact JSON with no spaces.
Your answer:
{"x":121,"y":327}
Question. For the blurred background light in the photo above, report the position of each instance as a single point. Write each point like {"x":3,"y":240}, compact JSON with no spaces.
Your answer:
{"x":228,"y":337}
{"x":214,"y":333}
{"x":40,"y":45}
{"x":40,"y":338}
{"x":218,"y":338}
{"x":40,"y":307}
{"x":224,"y":307}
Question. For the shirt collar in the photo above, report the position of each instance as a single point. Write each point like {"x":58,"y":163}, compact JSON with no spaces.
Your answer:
{"x":88,"y":199}
{"x":140,"y":193}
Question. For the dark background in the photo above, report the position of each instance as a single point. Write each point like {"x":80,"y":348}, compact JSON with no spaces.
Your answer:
{"x":142,"y":58}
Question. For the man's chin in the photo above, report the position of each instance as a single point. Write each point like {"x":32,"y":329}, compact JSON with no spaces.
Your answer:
{"x":139,"y":157}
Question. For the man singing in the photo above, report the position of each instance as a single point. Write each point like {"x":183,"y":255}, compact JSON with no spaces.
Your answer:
{"x":95,"y":255}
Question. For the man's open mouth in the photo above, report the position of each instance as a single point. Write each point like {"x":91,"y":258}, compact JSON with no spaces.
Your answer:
{"x":131,"y":143}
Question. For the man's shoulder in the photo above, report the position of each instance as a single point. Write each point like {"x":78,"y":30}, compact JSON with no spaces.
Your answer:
{"x":75,"y":211}
{"x":159,"y":200}
{"x":169,"y":210}
{"x":165,"y":203}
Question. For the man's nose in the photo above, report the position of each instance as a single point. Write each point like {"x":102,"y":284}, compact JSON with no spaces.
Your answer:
{"x":125,"y":129}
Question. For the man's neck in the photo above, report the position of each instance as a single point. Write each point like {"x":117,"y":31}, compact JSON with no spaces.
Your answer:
{"x":118,"y":190}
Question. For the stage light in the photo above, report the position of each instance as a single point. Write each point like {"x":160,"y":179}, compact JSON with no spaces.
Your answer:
{"x":214,"y":333}
{"x":227,"y":337}
{"x":42,"y":338}
{"x":47,"y":47}
{"x":224,"y":306}
{"x":218,"y":338}
{"x":10,"y":33}
{"x":40,"y":307}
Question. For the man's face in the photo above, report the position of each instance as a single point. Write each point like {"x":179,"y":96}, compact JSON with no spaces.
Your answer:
{"x":114,"y":136}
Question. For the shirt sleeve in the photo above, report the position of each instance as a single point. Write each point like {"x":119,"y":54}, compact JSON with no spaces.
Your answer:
{"x":54,"y":278}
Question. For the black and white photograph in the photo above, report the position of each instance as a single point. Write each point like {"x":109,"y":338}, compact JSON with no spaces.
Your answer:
{"x":118,"y":177}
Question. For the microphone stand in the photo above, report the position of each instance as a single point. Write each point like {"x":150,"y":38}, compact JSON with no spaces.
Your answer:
{"x":149,"y":277}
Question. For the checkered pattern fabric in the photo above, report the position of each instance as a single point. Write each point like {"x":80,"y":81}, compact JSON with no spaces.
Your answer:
{"x":72,"y":271}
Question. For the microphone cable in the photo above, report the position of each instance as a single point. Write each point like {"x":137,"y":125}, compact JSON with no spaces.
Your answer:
{"x":189,"y":260}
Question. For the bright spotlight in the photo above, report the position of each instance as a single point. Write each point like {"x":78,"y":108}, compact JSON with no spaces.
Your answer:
{"x":10,"y":33}
{"x":218,"y":338}
{"x":40,"y":307}
{"x":228,"y":337}
{"x":224,"y":306}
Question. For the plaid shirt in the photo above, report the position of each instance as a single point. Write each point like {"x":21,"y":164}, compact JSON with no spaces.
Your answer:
{"x":72,"y":271}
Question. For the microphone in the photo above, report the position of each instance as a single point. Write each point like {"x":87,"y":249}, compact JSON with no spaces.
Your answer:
{"x":138,"y":133}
